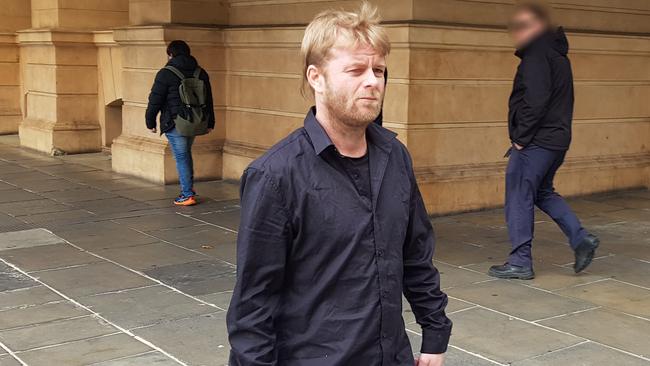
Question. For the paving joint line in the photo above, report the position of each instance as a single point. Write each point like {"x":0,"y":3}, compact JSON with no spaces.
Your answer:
{"x":180,"y":246}
{"x":464,"y":350}
{"x":567,"y":314}
{"x":99,"y":316}
{"x":12,"y":354}
{"x":558,"y":350}
{"x":69,"y":342}
{"x":550,"y":328}
{"x":143,"y":275}
{"x":208,"y":223}
{"x":52,"y":321}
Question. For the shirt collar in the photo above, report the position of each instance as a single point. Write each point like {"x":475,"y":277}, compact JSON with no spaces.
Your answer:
{"x":376,"y":134}
{"x":317,"y":134}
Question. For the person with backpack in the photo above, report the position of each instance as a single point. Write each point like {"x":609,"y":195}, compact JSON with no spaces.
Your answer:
{"x":182,"y":94}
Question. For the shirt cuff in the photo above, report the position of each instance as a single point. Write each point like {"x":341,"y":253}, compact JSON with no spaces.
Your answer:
{"x":435,"y":341}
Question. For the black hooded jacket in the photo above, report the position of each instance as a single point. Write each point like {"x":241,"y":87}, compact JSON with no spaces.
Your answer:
{"x":541,"y":103}
{"x":164,"y":97}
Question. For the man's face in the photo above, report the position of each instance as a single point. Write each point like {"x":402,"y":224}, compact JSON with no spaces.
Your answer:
{"x":524,"y":27}
{"x":353,"y":85}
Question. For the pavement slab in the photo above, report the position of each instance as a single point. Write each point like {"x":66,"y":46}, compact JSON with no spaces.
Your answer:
{"x":27,"y":239}
{"x":493,"y":335}
{"x":27,"y":296}
{"x":613,"y":294}
{"x":93,"y":278}
{"x":146,"y":306}
{"x":55,"y":332}
{"x":84,"y":352}
{"x":149,"y":256}
{"x":10,"y":279}
{"x":615,"y":329}
{"x":518,"y":300}
{"x":47,"y":257}
{"x":88,"y":258}
{"x":584,"y":354}
{"x":148,"y":359}
{"x":197,"y":278}
{"x":32,"y":315}
{"x":199,"y":340}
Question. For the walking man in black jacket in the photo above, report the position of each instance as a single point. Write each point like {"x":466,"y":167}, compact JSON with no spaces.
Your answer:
{"x":539,"y":123}
{"x":165,"y":98}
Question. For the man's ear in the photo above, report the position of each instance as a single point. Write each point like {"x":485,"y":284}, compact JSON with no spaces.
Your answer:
{"x":315,"y":79}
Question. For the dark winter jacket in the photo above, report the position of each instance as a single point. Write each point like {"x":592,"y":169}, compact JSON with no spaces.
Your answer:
{"x":164,"y":97}
{"x":541,"y":103}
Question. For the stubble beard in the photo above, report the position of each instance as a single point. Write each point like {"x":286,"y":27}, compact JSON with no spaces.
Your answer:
{"x":346,"y":110}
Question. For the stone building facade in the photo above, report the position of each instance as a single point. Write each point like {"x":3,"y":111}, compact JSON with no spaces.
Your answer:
{"x":75,"y":76}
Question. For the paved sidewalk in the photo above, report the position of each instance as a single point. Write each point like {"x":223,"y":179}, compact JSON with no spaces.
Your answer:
{"x":99,"y":269}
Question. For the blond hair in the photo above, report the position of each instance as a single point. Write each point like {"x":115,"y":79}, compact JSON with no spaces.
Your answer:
{"x":333,"y":28}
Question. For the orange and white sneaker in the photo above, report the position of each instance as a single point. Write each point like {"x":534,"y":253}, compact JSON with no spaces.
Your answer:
{"x":185,"y":201}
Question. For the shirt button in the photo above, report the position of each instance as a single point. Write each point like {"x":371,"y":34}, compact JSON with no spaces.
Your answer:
{"x":380,"y":252}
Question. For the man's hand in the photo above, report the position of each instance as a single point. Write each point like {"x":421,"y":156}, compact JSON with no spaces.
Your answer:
{"x":210,"y":130}
{"x":426,"y":359}
{"x":517,"y":146}
{"x":153,"y":130}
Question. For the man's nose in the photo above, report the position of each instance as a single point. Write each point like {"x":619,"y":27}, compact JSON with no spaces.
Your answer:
{"x":370,"y":78}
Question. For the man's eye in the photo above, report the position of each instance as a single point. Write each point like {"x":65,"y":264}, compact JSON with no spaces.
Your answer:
{"x":379,"y":72}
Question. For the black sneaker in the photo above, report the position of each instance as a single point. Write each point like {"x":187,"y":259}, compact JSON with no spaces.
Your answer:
{"x":510,"y":271}
{"x":585,"y":252}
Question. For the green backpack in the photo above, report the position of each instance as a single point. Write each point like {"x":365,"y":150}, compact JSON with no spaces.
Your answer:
{"x":193,"y":120}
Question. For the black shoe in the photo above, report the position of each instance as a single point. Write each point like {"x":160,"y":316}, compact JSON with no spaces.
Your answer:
{"x":585,"y":252}
{"x":509,"y":271}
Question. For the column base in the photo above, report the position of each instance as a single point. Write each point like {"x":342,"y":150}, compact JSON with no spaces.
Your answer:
{"x":51,"y":137}
{"x":9,"y":124}
{"x":152,"y":159}
{"x":461,"y":188}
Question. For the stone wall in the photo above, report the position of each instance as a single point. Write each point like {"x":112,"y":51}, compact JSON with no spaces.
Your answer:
{"x":14,"y":15}
{"x":87,"y":68}
{"x":451,"y":71}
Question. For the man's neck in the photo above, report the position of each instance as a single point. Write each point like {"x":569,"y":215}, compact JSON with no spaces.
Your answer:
{"x":349,"y":141}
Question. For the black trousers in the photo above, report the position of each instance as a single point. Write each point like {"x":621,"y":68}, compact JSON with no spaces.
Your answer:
{"x":529,"y":183}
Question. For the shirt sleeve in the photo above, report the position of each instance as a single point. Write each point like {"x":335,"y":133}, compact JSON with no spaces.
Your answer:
{"x":157,"y":99}
{"x":536,"y":79}
{"x":262,"y":245}
{"x":422,"y":279}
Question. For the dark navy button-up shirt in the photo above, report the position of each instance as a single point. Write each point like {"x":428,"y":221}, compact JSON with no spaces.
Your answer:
{"x":322,"y":269}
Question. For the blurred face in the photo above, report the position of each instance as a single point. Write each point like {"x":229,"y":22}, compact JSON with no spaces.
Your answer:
{"x":524,"y":27}
{"x":351,"y":85}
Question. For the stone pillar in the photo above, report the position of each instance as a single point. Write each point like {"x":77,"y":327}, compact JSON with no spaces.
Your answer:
{"x":14,"y":15}
{"x":137,"y":151}
{"x":59,"y":70}
{"x":109,"y":87}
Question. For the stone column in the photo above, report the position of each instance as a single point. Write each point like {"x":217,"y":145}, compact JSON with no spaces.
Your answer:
{"x":59,"y":70}
{"x":143,"y":44}
{"x":14,"y":15}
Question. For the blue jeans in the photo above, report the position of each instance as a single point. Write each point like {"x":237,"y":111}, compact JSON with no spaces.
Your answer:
{"x":529,"y":183}
{"x":182,"y":149}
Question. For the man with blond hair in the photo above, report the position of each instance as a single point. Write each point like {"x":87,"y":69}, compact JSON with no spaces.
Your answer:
{"x":333,"y":227}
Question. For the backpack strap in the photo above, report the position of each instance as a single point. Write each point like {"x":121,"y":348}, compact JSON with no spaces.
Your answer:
{"x":176,"y":71}
{"x":197,"y":72}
